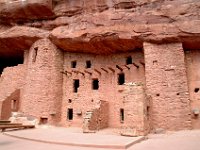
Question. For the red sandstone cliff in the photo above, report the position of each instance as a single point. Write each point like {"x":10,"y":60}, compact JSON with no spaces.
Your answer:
{"x":98,"y":26}
{"x":108,"y":26}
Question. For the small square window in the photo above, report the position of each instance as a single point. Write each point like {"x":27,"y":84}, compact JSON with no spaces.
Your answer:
{"x":121,"y":79}
{"x":95,"y":84}
{"x":196,"y":90}
{"x":88,"y":64}
{"x":73,"y":64}
{"x":70,"y":114}
{"x":122,"y":115}
{"x":129,"y":60}
{"x":76,"y":85}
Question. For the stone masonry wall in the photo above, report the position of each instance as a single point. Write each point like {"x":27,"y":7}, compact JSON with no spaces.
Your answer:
{"x":167,"y":86}
{"x":193,"y":74}
{"x":11,"y":80}
{"x":8,"y":105}
{"x":109,"y":90}
{"x":136,"y":121}
{"x":98,"y":118}
{"x":103,"y":115}
{"x":42,"y":94}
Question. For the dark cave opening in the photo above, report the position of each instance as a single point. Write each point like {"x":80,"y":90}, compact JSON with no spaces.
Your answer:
{"x":10,"y":62}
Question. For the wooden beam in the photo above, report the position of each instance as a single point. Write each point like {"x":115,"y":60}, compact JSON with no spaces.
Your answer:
{"x":118,"y":67}
{"x":87,"y":72}
{"x":134,"y":64}
{"x":111,"y":69}
{"x":66,"y":72}
{"x":104,"y":70}
{"x":76,"y":71}
{"x":142,"y":63}
{"x":127,"y":67}
{"x":97,"y":71}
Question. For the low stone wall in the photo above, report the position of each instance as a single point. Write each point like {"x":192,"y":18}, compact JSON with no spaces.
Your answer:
{"x":97,"y":118}
{"x":11,"y":81}
{"x":7,"y":105}
{"x":135,"y":120}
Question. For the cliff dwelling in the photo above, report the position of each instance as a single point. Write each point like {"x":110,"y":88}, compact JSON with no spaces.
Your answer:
{"x":126,"y":65}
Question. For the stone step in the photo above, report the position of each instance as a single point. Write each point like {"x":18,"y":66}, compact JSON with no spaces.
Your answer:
{"x":4,"y":127}
{"x":5,"y":121}
{"x":10,"y":123}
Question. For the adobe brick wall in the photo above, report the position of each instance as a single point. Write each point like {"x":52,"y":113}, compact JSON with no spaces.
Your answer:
{"x":42,"y":93}
{"x":103,"y":115}
{"x":5,"y":109}
{"x":98,"y":118}
{"x":166,"y":83}
{"x":7,"y":105}
{"x":193,"y":74}
{"x":11,"y":81}
{"x":109,"y":90}
{"x":136,"y":121}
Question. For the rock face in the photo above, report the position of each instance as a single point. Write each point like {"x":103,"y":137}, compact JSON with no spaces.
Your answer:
{"x":18,"y":38}
{"x":119,"y":25}
{"x":20,"y":10}
{"x":162,"y":37}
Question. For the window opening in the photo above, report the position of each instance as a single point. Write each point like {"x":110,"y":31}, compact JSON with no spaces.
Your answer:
{"x":155,"y":62}
{"x":14,"y":105}
{"x":76,"y":85}
{"x":148,"y":112}
{"x":121,"y":114}
{"x":73,"y":64}
{"x":196,"y":90}
{"x":88,"y":64}
{"x":158,"y":94}
{"x":95,"y":84}
{"x":35,"y":52}
{"x":121,"y":79}
{"x":69,"y":100}
{"x":43,"y":120}
{"x":70,"y":114}
{"x":129,"y":60}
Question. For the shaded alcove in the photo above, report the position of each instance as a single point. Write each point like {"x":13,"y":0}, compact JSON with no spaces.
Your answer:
{"x":10,"y":61}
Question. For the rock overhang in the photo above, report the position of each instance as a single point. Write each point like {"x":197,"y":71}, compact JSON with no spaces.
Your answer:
{"x":101,"y":40}
{"x":108,"y":31}
{"x":122,"y":38}
{"x":15,"y":40}
{"x":20,"y":10}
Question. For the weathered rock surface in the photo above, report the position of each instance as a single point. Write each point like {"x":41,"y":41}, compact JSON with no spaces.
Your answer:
{"x":95,"y":40}
{"x":160,"y":32}
{"x":16,"y":39}
{"x":125,"y":37}
{"x":20,"y":10}
{"x":103,"y":26}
